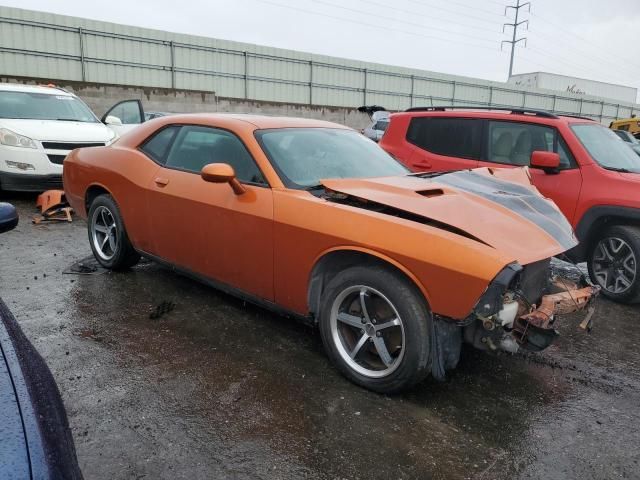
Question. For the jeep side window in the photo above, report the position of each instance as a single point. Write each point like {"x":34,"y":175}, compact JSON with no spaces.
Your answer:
{"x":512,"y":143}
{"x":453,"y":137}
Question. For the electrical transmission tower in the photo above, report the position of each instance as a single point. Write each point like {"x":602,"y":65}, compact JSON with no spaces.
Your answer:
{"x":515,"y":25}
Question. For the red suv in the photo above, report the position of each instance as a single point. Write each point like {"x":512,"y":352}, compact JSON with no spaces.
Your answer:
{"x":591,"y":174}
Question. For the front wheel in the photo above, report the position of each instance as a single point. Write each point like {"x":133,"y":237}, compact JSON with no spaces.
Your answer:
{"x":376,"y":328}
{"x":613,"y":263}
{"x":107,"y":235}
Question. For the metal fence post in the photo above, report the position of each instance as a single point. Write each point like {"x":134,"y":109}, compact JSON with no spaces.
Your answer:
{"x":490,"y":95}
{"x":580,"y":109}
{"x":413,"y":79}
{"x":453,"y":94}
{"x":364,"y":90}
{"x":618,"y":111}
{"x":172,"y":50}
{"x":601,"y":110}
{"x":310,"y":82}
{"x":82,"y":67}
{"x":553,"y":107}
{"x":246,"y":75}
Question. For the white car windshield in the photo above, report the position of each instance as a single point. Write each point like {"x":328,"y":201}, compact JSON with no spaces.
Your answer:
{"x":304,"y":156}
{"x":44,"y":106}
{"x":606,"y":148}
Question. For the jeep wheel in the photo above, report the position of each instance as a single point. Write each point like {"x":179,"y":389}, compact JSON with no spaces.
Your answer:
{"x":376,"y":328}
{"x":613,"y":263}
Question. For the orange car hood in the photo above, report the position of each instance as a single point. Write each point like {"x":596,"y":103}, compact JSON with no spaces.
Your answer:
{"x":508,"y":215}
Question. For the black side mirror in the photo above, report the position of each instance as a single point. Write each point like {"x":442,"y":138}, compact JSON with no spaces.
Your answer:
{"x":8,"y":217}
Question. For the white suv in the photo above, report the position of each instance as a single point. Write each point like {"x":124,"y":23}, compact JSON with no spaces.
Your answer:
{"x":39,"y":126}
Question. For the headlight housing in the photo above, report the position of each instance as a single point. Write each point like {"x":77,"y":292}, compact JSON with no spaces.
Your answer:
{"x":13,"y":139}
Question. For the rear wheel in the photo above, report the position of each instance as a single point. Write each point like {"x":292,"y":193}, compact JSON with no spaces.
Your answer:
{"x":613,"y":263}
{"x":107,"y":235}
{"x":376,"y":328}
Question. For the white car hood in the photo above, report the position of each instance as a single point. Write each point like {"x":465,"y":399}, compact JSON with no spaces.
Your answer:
{"x":54,"y":130}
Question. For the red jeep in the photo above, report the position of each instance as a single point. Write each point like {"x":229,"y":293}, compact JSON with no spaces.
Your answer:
{"x":591,"y":174}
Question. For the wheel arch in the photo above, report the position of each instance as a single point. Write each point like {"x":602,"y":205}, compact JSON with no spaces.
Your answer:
{"x":92,"y":193}
{"x":595,"y":220}
{"x":332,"y":261}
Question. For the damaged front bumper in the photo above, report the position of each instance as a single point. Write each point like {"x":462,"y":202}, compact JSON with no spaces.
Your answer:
{"x":506,"y":317}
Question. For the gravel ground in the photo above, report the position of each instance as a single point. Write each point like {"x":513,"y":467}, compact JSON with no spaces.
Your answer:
{"x":216,"y":388}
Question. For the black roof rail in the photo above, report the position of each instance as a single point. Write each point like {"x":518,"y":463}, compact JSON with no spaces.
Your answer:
{"x":576,"y":116}
{"x":515,"y":110}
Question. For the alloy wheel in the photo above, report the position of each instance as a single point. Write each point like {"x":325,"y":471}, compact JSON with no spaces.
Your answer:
{"x":367,"y":331}
{"x":104,"y":233}
{"x":614,"y":265}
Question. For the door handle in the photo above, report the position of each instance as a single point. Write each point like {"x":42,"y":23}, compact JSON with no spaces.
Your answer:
{"x":422,"y":164}
{"x":161,"y":182}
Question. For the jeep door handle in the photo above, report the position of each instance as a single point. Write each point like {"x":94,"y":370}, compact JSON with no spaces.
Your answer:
{"x":161,"y":182}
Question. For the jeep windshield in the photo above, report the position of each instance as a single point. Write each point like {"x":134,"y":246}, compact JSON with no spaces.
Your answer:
{"x":606,"y":148}
{"x":44,"y":106}
{"x":304,"y":156}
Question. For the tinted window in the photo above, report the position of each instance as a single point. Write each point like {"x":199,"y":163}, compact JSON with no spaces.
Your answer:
{"x":513,"y":143}
{"x":304,"y":156}
{"x":454,"y":137}
{"x":381,"y":125}
{"x":157,"y":146}
{"x":195,"y":147}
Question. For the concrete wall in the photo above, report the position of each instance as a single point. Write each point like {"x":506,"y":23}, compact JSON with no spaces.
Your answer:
{"x":101,"y":97}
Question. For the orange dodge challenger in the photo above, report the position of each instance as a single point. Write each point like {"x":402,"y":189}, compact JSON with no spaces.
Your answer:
{"x":313,"y":220}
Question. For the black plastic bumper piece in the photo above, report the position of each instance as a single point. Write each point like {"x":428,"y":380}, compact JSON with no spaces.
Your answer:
{"x":20,"y":182}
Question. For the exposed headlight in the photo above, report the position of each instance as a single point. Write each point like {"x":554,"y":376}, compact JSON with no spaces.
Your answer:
{"x":13,"y":139}
{"x":20,"y":165}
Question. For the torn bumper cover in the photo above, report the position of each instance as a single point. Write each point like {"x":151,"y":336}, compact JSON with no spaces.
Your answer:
{"x":535,"y":330}
{"x":520,"y":308}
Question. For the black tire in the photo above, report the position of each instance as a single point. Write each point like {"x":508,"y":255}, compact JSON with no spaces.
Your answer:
{"x":414,"y":363}
{"x":630,"y":235}
{"x":124,"y":255}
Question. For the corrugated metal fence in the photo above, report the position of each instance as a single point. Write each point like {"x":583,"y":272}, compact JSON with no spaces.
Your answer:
{"x":35,"y":44}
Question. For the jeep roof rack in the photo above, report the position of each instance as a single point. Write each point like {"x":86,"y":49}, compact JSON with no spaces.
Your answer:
{"x":514,"y":110}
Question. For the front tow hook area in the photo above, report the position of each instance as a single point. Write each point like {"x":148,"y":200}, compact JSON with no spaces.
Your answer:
{"x":534,"y":331}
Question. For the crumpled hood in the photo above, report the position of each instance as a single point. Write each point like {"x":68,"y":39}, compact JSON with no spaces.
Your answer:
{"x":508,"y":215}
{"x":59,"y":131}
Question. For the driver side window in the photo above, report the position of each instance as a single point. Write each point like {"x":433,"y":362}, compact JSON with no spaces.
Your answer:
{"x":196,"y":146}
{"x":512,"y":143}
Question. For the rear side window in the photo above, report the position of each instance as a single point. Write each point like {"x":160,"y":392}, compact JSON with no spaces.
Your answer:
{"x":512,"y":143}
{"x":158,"y":145}
{"x":453,"y":137}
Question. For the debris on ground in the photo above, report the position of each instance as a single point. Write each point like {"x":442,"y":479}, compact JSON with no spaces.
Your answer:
{"x":53,"y":206}
{"x":161,"y":309}
{"x":86,"y":266}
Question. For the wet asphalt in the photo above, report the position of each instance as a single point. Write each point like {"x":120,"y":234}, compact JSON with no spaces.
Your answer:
{"x":216,"y":388}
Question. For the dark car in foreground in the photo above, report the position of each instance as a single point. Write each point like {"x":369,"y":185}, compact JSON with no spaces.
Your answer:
{"x":35,"y":440}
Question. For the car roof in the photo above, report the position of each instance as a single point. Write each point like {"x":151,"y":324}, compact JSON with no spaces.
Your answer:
{"x":498,"y":115}
{"x":259,"y":121}
{"x":46,"y":89}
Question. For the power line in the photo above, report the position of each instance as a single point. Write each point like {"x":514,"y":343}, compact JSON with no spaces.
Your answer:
{"x":367,"y":24}
{"x":567,"y":33}
{"x":413,"y":24}
{"x":475,"y":8}
{"x":423,"y":15}
{"x":515,"y":26}
{"x":454,"y":12}
{"x":630,"y":69}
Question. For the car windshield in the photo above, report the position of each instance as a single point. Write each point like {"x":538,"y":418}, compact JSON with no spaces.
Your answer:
{"x":304,"y":156}
{"x":44,"y":106}
{"x":606,"y":148}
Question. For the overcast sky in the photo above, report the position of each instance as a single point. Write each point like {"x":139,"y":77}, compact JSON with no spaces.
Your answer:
{"x":594,"y":39}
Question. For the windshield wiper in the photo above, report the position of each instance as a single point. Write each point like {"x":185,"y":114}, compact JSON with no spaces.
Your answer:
{"x":619,"y":169}
{"x":69,"y":120}
{"x":311,"y":188}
